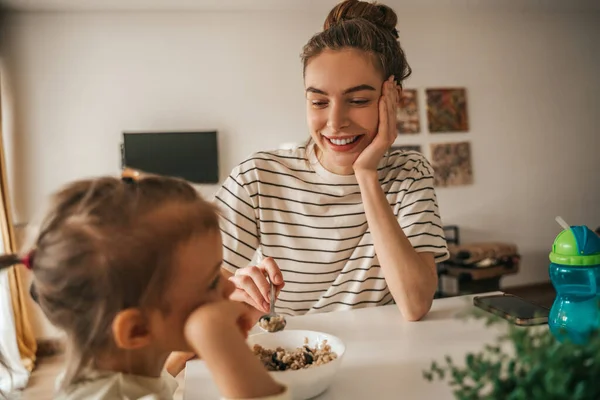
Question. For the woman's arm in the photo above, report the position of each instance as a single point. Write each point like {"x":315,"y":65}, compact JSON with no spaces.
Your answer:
{"x":241,"y":239}
{"x":239,"y":231}
{"x":411,"y":276}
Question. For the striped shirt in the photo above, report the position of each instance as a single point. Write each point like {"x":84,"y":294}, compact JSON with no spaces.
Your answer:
{"x":312,"y":222}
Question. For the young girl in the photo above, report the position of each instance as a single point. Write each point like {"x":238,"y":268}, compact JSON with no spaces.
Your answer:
{"x":131,"y":271}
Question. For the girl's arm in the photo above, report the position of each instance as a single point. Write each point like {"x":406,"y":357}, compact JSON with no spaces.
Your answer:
{"x":176,"y":362}
{"x":214,"y":332}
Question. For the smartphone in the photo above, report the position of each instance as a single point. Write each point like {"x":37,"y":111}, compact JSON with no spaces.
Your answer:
{"x":513,"y":308}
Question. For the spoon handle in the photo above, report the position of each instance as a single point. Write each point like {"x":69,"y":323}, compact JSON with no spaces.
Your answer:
{"x":272,"y":299}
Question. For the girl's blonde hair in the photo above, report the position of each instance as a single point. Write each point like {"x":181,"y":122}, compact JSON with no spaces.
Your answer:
{"x":106,"y":245}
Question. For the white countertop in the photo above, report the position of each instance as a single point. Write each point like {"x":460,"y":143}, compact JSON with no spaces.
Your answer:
{"x":385,"y":355}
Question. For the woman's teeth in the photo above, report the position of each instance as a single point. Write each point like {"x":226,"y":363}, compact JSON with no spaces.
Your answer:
{"x":341,"y":142}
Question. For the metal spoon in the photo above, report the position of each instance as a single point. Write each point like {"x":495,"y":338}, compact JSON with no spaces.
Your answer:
{"x":272,"y":322}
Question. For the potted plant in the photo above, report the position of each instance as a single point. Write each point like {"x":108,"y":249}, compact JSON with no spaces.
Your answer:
{"x":524,"y":364}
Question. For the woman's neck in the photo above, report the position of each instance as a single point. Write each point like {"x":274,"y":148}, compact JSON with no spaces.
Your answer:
{"x":331,"y":167}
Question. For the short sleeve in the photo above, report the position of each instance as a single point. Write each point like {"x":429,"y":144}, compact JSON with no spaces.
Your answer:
{"x":238,"y":224}
{"x":418,"y":212}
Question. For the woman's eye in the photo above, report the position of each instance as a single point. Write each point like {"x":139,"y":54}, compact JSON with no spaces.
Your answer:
{"x":318,"y":103}
{"x":359,"y":102}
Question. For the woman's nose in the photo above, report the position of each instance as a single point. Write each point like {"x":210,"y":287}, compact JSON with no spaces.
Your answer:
{"x":337,"y":118}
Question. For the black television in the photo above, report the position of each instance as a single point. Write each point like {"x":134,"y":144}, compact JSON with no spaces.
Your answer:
{"x":192,"y":155}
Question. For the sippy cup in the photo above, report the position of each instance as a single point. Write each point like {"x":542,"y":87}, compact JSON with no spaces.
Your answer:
{"x":575,"y":274}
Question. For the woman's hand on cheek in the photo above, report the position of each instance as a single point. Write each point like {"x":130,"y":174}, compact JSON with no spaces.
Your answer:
{"x":369,"y":158}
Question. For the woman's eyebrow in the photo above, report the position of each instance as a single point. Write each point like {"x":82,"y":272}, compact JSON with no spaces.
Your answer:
{"x":350,"y":90}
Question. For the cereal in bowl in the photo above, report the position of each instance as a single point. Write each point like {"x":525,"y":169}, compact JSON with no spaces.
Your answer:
{"x":300,"y":358}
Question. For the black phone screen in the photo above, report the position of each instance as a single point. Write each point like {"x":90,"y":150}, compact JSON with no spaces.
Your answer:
{"x":512,"y":306}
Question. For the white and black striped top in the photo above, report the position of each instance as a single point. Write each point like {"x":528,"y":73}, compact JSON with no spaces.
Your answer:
{"x":312,"y":222}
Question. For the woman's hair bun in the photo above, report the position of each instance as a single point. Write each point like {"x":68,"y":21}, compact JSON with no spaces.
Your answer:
{"x":379,"y":14}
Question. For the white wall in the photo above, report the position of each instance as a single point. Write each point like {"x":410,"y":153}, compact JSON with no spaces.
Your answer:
{"x":74,"y":81}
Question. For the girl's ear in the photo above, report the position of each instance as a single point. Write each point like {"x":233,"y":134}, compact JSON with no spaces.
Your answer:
{"x":130,"y":330}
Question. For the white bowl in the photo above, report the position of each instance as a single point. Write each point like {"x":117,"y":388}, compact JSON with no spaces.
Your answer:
{"x":304,"y":383}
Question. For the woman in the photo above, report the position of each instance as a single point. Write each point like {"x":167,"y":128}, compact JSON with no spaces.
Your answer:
{"x":342,"y":221}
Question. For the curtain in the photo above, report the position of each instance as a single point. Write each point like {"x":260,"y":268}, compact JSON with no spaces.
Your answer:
{"x":17,"y":343}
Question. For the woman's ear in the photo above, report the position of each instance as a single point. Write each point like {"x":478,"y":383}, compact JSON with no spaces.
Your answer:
{"x":399,"y":91}
{"x":130,"y":330}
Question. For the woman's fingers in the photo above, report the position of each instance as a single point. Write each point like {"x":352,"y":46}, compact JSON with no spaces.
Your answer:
{"x":246,"y":282}
{"x":273,"y":271}
{"x":253,"y":283}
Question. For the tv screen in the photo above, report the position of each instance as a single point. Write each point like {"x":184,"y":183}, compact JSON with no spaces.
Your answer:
{"x":189,"y":155}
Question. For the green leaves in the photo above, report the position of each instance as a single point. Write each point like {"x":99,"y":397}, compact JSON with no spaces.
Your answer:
{"x":535,"y":366}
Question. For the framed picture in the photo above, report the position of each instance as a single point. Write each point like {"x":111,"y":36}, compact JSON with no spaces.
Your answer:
{"x":405,"y":148}
{"x":407,"y":114}
{"x":447,"y":110}
{"x":452,"y":164}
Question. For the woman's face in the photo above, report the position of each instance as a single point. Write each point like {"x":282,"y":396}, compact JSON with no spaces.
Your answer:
{"x":343,"y":88}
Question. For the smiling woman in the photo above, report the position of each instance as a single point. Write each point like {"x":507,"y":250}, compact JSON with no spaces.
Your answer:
{"x":343,"y":222}
{"x":343,"y":114}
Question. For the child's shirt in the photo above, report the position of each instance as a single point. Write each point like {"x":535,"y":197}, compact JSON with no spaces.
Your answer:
{"x":120,"y":386}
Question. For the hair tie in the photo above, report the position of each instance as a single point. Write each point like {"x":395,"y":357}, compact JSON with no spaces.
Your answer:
{"x":128,"y":180}
{"x":27,"y":261}
{"x":130,"y":176}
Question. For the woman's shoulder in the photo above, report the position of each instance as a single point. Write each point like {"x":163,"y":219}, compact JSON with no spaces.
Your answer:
{"x":291,"y":161}
{"x":407,"y":164}
{"x":292,"y":155}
